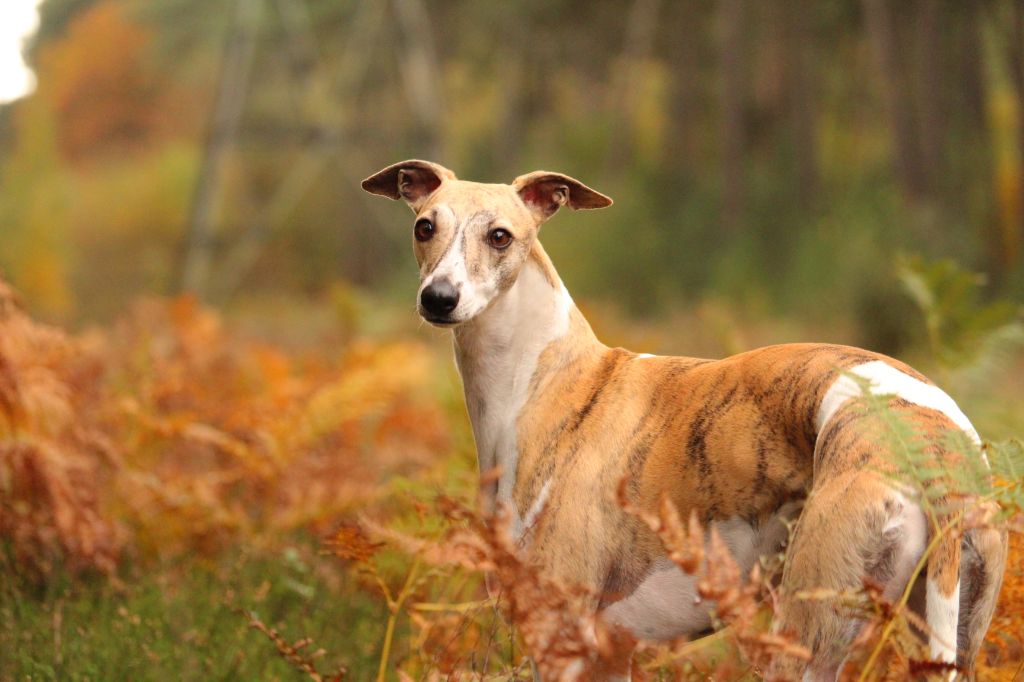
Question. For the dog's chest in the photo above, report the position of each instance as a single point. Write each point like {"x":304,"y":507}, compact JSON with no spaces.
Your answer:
{"x":497,"y":362}
{"x":495,"y":397}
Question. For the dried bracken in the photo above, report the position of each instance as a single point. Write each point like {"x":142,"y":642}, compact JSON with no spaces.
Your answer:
{"x":351,"y":543}
{"x":293,"y":652}
{"x":216,"y":438}
{"x":169,"y":434}
{"x":1003,"y":655}
{"x":53,"y":463}
{"x":737,"y":600}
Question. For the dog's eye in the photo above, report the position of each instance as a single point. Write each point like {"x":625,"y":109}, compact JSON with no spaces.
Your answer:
{"x":499,"y":238}
{"x":424,"y":230}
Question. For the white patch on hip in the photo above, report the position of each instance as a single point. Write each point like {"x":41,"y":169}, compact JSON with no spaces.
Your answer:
{"x":885,"y":379}
{"x":942,"y":616}
{"x":642,"y":356}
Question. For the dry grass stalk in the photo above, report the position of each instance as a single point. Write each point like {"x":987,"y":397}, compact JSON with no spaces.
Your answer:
{"x":556,"y":621}
{"x":293,"y":652}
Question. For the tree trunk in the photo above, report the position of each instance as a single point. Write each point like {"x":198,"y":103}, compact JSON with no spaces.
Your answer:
{"x":1013,"y":235}
{"x":801,"y":76}
{"x":972,"y":70}
{"x":233,"y":82}
{"x":895,"y":94}
{"x":732,"y":31}
{"x":514,"y":92}
{"x":931,"y":75}
{"x":421,"y":75}
{"x":680,"y":149}
{"x":636,"y":50}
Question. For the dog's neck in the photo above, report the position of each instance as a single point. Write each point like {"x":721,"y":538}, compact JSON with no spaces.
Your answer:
{"x":499,"y":357}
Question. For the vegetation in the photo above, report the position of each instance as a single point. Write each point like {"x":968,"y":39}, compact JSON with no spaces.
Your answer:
{"x":172,"y":489}
{"x":228,"y":450}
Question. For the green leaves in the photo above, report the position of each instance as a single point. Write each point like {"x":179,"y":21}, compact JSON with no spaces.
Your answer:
{"x":1007,"y":461}
{"x":962,"y":328}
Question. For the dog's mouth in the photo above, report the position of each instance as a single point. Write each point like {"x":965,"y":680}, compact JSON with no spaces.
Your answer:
{"x":439,"y":320}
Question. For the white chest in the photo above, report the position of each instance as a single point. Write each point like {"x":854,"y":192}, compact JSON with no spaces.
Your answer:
{"x":498,"y":358}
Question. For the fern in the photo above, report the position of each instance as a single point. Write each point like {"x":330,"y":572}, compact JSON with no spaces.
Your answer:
{"x":963,"y":331}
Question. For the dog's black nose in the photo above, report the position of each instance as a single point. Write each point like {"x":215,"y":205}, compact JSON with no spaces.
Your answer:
{"x":439,"y":298}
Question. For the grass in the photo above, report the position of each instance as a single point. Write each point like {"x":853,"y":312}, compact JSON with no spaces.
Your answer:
{"x":187,"y":620}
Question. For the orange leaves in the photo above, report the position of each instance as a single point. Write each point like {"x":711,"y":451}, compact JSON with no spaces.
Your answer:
{"x":52,"y":466}
{"x":98,"y":82}
{"x":685,"y":545}
{"x":220,"y":440}
{"x":1004,"y":646}
{"x":557,"y":622}
{"x":217,"y":438}
{"x":349,"y":542}
{"x":736,"y":599}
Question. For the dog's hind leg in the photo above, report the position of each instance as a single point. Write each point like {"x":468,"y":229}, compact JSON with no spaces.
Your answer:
{"x":852,"y":527}
{"x":981,"y":574}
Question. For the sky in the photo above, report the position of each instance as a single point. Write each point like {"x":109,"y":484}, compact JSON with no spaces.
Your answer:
{"x":18,"y":19}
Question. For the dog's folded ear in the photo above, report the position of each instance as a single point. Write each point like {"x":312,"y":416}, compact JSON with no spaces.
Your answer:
{"x":544,"y":193}
{"x":412,"y":180}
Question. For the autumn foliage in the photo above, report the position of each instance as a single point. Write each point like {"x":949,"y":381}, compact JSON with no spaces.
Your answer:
{"x":54,"y":458}
{"x":165,"y":434}
{"x":106,"y":96}
{"x":168,"y":435}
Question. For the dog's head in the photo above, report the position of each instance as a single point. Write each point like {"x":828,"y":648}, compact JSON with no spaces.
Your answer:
{"x":472,"y":239}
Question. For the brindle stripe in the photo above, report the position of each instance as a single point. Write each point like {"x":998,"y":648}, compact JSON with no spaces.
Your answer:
{"x":636,"y":460}
{"x":762,"y":461}
{"x":697,"y":448}
{"x":612,"y":360}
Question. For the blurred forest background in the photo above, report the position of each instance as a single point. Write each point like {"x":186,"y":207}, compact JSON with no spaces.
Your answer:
{"x":209,"y":357}
{"x":775,"y":153}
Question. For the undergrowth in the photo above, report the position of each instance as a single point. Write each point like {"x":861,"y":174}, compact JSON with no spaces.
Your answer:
{"x":183,"y":621}
{"x":178,"y":501}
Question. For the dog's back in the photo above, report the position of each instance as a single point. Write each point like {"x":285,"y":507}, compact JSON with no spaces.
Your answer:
{"x":740,"y":441}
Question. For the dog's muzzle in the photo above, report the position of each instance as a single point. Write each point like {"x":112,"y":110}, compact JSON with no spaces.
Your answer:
{"x":438,"y":300}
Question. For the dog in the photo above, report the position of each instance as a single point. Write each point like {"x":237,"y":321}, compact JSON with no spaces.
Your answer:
{"x":742,"y":442}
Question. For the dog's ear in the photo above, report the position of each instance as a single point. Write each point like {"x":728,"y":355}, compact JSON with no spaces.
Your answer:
{"x":544,"y":193}
{"x":412,"y":180}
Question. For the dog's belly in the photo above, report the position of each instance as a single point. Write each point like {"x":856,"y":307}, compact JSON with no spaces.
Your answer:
{"x":665,"y":604}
